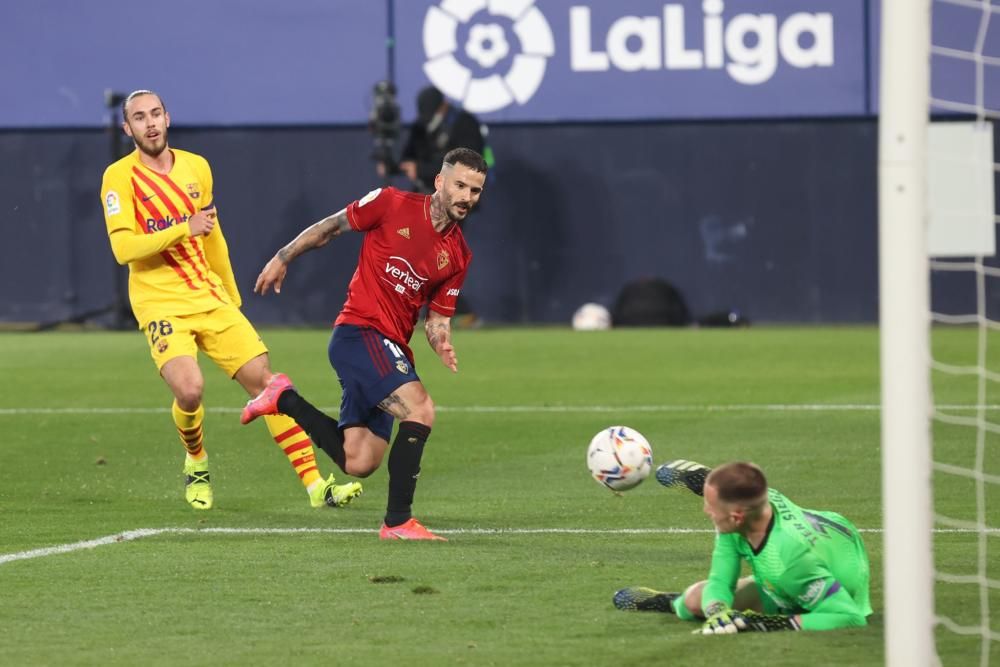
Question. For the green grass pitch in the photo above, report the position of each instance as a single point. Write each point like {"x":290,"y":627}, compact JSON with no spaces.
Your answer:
{"x":536,"y":547}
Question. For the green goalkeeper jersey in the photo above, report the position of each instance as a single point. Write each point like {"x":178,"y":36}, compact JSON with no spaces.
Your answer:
{"x":810,"y":563}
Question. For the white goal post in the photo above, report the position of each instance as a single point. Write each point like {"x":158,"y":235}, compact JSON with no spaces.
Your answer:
{"x":904,"y":326}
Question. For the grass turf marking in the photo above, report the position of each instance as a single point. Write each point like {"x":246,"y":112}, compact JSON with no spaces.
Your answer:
{"x":140,"y":533}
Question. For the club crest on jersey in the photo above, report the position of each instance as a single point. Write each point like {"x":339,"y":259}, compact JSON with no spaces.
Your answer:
{"x":112,"y":203}
{"x":161,"y":346}
{"x":402,"y":367}
{"x":193,"y":191}
{"x":404,"y":232}
{"x":443,"y":259}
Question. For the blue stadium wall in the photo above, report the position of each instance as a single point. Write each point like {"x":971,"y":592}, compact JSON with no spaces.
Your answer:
{"x":777,"y":219}
{"x":755,"y":196}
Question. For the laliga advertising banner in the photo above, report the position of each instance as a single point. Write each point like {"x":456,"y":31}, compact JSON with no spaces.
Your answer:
{"x":552,"y":60}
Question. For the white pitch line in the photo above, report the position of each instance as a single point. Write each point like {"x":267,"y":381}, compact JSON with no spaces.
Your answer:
{"x":482,"y":409}
{"x":473,"y":409}
{"x":86,"y":544}
{"x":139,"y":533}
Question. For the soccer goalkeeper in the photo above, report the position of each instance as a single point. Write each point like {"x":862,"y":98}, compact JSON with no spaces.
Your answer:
{"x":809,"y":568}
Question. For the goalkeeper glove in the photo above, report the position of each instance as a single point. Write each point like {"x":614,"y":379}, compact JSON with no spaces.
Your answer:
{"x":757,"y":622}
{"x":640,"y":598}
{"x":729,"y":621}
{"x":684,"y":473}
{"x":721,"y":621}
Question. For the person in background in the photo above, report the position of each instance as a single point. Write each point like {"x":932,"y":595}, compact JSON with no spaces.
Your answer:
{"x":440,"y":127}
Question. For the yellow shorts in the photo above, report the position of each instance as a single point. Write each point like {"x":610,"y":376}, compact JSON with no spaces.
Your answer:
{"x":224,"y":334}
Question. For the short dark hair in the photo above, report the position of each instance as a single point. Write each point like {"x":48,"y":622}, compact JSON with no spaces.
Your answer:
{"x":137,"y":93}
{"x":466,"y":156}
{"x":739,"y":482}
{"x":429,"y":100}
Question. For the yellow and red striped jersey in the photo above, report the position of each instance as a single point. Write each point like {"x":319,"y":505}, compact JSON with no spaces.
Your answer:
{"x":146,"y":212}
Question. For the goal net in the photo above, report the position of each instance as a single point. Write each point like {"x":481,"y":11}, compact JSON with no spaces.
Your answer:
{"x":940,"y":92}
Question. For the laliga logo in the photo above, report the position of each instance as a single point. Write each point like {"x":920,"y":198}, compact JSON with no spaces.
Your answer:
{"x":749,"y":47}
{"x":662,"y":42}
{"x":486,"y":45}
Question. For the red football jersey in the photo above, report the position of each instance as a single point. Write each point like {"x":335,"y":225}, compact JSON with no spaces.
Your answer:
{"x":404,"y":263}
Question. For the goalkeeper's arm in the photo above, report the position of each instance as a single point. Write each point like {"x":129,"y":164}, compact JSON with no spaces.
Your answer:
{"x":837,"y":610}
{"x":825,"y":603}
{"x":723,"y":576}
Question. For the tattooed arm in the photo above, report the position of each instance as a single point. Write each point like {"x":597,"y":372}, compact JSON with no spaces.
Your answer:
{"x":314,"y":236}
{"x":438,"y":328}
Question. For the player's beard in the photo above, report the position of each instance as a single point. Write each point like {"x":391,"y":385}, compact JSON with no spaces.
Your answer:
{"x":152,"y":147}
{"x":442,"y":202}
{"x":456,"y":213}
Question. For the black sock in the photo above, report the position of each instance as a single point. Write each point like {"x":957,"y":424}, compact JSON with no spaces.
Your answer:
{"x":404,"y":467}
{"x":321,"y":427}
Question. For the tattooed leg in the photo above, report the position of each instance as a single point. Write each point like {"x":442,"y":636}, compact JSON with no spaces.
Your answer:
{"x":411,"y":404}
{"x":395,"y":406}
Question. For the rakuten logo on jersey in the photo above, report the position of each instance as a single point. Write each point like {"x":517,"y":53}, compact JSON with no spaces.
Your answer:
{"x":400,"y":273}
{"x":157,"y":224}
{"x":746,"y":45}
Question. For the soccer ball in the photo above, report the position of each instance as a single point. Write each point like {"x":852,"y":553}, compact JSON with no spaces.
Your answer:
{"x":619,"y":458}
{"x":591,"y":317}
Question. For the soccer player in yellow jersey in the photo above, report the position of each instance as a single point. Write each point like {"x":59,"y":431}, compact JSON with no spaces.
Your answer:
{"x":162,"y":222}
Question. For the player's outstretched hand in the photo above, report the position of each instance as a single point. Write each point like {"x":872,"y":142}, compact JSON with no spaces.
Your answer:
{"x":272,"y":275}
{"x":723,"y":622}
{"x":447,"y":353}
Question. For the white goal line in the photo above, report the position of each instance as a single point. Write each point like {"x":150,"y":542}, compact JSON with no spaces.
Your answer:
{"x":746,"y":407}
{"x":140,"y":533}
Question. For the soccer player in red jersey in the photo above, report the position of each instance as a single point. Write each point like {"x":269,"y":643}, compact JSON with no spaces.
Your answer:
{"x":413,"y":254}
